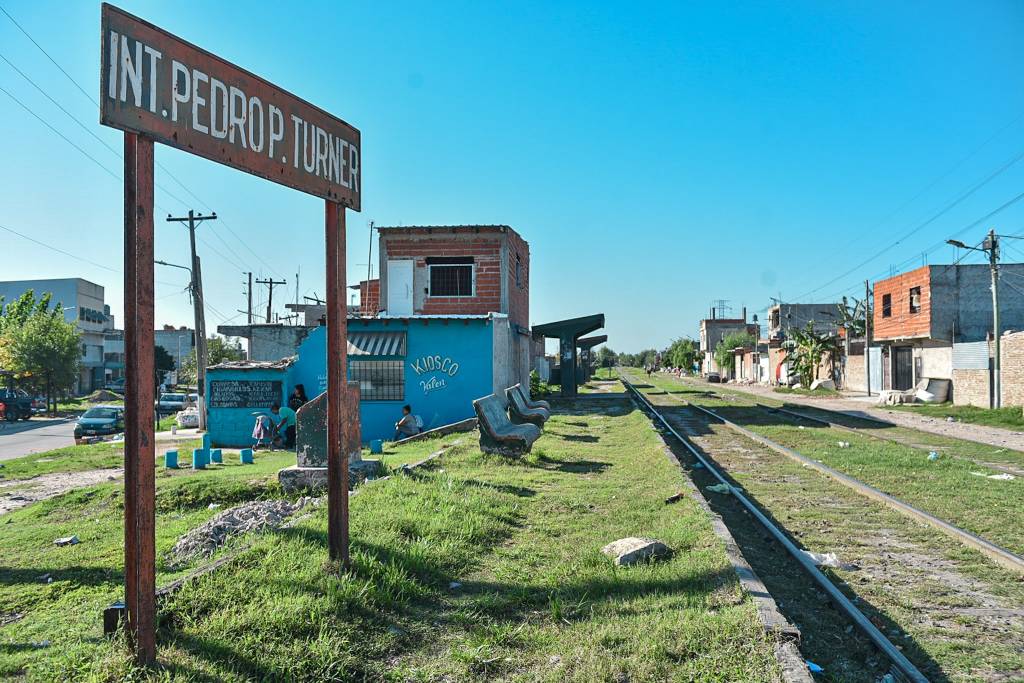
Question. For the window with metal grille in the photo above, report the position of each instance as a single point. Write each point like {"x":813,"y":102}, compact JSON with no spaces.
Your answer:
{"x":451,"y":276}
{"x":915,"y":299}
{"x":887,"y":305}
{"x":379,"y":380}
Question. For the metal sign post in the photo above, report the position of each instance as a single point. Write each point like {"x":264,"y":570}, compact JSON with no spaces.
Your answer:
{"x":157,"y":87}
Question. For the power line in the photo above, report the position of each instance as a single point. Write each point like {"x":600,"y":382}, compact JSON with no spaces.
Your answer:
{"x":27,"y":35}
{"x":58,"y":250}
{"x":158,"y":164}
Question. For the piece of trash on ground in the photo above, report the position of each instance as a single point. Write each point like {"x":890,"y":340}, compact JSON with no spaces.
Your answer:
{"x":932,"y":455}
{"x":813,"y":668}
{"x":1004,"y":476}
{"x":720,"y":488}
{"x":674,"y":498}
{"x":67,"y":540}
{"x":828,"y":560}
{"x":454,"y":585}
{"x":843,"y":444}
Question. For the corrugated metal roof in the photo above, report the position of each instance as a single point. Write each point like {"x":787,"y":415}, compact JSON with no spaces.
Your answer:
{"x":362,"y":343}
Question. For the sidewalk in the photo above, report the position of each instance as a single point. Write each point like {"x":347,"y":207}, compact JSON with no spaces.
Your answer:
{"x":863,"y":406}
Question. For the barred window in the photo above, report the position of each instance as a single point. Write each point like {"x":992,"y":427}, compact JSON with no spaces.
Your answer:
{"x":451,"y":276}
{"x":379,"y":380}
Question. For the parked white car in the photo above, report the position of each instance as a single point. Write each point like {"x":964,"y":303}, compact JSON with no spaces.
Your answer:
{"x":188,"y":418}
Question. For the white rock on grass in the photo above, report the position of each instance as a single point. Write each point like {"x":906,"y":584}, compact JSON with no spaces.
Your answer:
{"x":627,"y":551}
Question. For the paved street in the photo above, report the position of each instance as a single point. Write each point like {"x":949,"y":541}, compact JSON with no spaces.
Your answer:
{"x":35,"y":436}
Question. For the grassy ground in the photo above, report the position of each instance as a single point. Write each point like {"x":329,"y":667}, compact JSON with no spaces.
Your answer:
{"x":820,"y":392}
{"x":537,"y":600}
{"x":1011,"y":417}
{"x":945,"y":487}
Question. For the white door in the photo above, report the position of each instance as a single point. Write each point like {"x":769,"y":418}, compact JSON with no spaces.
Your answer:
{"x":400,"y":287}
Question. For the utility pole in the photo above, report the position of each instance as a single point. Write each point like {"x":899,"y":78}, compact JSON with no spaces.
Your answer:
{"x":270,"y":282}
{"x":249,"y":293}
{"x":194,"y":220}
{"x":867,"y":336}
{"x":990,"y":246}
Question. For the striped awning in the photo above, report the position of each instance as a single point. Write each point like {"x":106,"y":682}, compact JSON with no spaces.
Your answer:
{"x":376,"y":343}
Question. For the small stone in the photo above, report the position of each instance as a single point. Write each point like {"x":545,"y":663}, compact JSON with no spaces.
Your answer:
{"x":554,"y":659}
{"x":213,"y":506}
{"x":454,"y":585}
{"x":67,"y":540}
{"x":631,"y":550}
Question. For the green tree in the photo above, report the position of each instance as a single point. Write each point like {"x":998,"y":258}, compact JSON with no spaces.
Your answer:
{"x":724,"y":349}
{"x":15,"y":314}
{"x":807,"y":350}
{"x":46,"y":350}
{"x":218,"y":350}
{"x":682,"y":353}
{"x":606,"y":358}
{"x":163,"y":363}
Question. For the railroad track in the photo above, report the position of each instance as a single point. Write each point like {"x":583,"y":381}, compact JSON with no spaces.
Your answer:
{"x":934,"y":611}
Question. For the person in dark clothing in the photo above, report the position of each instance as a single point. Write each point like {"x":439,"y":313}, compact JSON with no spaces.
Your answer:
{"x":298,"y":397}
{"x":407,"y":425}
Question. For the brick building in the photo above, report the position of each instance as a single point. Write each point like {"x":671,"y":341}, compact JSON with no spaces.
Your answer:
{"x":457,"y":270}
{"x":714,"y":330}
{"x":926,"y":320}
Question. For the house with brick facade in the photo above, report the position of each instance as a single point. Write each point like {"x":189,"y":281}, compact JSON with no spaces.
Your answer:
{"x":714,"y":330}
{"x":930,"y":320}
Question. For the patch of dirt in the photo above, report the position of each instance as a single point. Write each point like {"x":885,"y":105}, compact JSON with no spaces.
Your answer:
{"x":9,"y":617}
{"x":258,"y":515}
{"x":17,"y":493}
{"x":102,"y":396}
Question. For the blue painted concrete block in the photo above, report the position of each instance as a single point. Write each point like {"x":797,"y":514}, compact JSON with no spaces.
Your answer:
{"x":198,"y":459}
{"x":171,"y":460}
{"x":377,"y":446}
{"x":215,"y":456}
{"x":246,"y":456}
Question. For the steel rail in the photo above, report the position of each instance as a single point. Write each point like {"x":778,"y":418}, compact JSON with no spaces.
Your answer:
{"x":905,"y":666}
{"x":1000,"y":555}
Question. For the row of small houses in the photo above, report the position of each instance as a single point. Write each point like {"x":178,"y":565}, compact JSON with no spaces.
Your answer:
{"x":934,"y":322}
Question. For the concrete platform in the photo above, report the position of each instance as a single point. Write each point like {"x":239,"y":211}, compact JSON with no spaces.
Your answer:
{"x":295,"y":478}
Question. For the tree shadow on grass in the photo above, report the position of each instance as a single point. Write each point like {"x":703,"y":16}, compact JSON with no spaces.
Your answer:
{"x":572,"y":466}
{"x":583,"y":438}
{"x":81,"y":576}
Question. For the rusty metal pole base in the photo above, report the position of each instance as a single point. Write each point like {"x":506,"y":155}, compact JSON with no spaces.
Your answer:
{"x":337,"y":347}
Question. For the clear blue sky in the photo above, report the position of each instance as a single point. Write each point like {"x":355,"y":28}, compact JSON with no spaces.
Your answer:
{"x":655,"y":157}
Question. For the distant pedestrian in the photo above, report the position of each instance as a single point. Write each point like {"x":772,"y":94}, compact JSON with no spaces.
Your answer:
{"x":263,"y":433}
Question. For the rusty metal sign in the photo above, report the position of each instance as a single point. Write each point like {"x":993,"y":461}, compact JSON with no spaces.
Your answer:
{"x":155,"y":84}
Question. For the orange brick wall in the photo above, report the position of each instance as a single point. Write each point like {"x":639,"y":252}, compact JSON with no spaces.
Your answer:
{"x":903,"y":324}
{"x":485,"y":246}
{"x":519,"y":297}
{"x":369,"y":297}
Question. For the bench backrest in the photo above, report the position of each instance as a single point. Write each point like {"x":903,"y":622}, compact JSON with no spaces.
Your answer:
{"x":516,"y":397}
{"x":491,"y":411}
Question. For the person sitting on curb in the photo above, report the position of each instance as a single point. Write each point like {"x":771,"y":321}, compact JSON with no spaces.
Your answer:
{"x":407,"y":426}
{"x":285,"y":425}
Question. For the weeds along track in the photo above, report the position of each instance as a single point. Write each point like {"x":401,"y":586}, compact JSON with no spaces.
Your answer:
{"x":946,"y":493}
{"x":899,"y":593}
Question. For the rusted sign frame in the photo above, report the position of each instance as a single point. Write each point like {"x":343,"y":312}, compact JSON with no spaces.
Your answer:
{"x":158,"y":85}
{"x":139,"y":453}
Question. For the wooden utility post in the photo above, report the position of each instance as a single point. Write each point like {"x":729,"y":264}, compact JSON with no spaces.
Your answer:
{"x":270,"y":282}
{"x":198,"y":306}
{"x":867,"y":336}
{"x":139,"y":433}
{"x":337,"y":373}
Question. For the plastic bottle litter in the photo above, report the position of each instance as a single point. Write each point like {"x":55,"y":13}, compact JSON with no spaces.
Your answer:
{"x":813,"y":668}
{"x":843,"y":444}
{"x":933,"y":456}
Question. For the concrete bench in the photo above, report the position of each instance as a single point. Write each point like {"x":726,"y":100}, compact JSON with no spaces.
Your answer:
{"x":520,"y":412}
{"x":530,"y":402}
{"x":498,"y":434}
